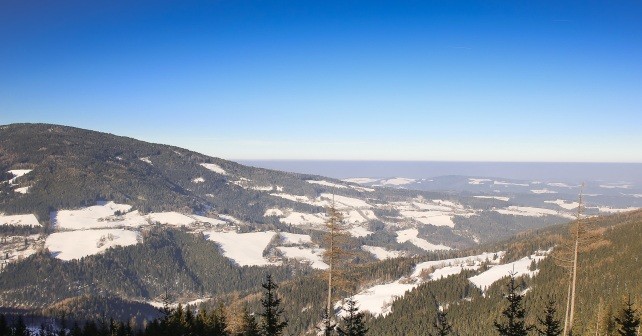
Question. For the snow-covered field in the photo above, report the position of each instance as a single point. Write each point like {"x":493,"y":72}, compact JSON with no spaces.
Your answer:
{"x":70,"y":245}
{"x":170,"y":218}
{"x":359,"y":231}
{"x":510,"y":184}
{"x":381,"y":253}
{"x":615,"y":210}
{"x":378,"y":299}
{"x":327,"y":184}
{"x":564,"y":204}
{"x":246,"y":249}
{"x":101,"y":215}
{"x":215,"y":168}
{"x":477,"y":181}
{"x":17,"y":173}
{"x":314,"y":256}
{"x":398,"y":181}
{"x":411,"y":236}
{"x":300,"y":218}
{"x":518,"y":268}
{"x":343,"y":202}
{"x":360,"y":180}
{"x":532,"y":212}
{"x":294,"y":238}
{"x":19,"y":220}
{"x":499,"y":198}
{"x":543,"y":191}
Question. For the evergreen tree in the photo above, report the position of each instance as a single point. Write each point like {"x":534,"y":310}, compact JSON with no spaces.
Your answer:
{"x":249,"y":325}
{"x":514,"y":324}
{"x":20,"y":328}
{"x":442,"y":326}
{"x":628,"y":321}
{"x":327,"y":325}
{"x":4,"y":326}
{"x":353,"y":324}
{"x":549,"y":326}
{"x":271,"y":323}
{"x":219,"y":321}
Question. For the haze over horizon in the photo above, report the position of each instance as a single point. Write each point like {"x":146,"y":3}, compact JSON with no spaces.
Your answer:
{"x":335,"y":80}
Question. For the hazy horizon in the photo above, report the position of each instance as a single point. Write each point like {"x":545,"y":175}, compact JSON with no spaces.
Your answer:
{"x":566,"y":171}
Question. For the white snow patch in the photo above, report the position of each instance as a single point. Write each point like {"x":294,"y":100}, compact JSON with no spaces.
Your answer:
{"x":18,"y":173}
{"x":327,"y":184}
{"x":381,"y":253}
{"x":615,"y":210}
{"x":362,"y":189}
{"x":102,"y":215}
{"x":312,"y":255}
{"x":170,"y":218}
{"x":615,"y":186}
{"x":398,"y":181}
{"x":378,"y":299}
{"x":500,"y":198}
{"x":411,"y":236}
{"x":300,"y":199}
{"x":208,"y":220}
{"x":230,"y":219}
{"x":532,"y":212}
{"x":198,"y":180}
{"x":294,"y":238}
{"x":146,"y":160}
{"x":435,"y":218}
{"x":215,"y":168}
{"x":22,"y":190}
{"x":560,"y":185}
{"x":69,"y":245}
{"x":246,"y":249}
{"x":343,"y":202}
{"x":543,"y":191}
{"x":360,"y":180}
{"x":478,"y":180}
{"x":359,"y":231}
{"x":273,"y":212}
{"x":300,"y":218}
{"x":19,"y":220}
{"x":519,"y":268}
{"x":511,"y":184}
{"x":564,"y":204}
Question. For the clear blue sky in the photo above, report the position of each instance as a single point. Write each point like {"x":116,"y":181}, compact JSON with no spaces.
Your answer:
{"x":397,"y":80}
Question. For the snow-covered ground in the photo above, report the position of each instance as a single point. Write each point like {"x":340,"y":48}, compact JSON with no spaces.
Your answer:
{"x":102,"y":215}
{"x":198,"y":180}
{"x":170,"y":218}
{"x":68,"y":245}
{"x":19,"y":220}
{"x":314,"y":256}
{"x":411,"y":236}
{"x":615,"y":210}
{"x":146,"y":160}
{"x":378,"y":299}
{"x":532,"y":212}
{"x":564,"y":204}
{"x":294,"y":238}
{"x":500,"y":198}
{"x":360,"y":180}
{"x":273,"y":212}
{"x":17,"y":173}
{"x":543,"y":191}
{"x":382,"y":253}
{"x":510,"y":184}
{"x":477,"y":181}
{"x":22,"y":190}
{"x":398,"y":181}
{"x":215,"y":168}
{"x":300,"y":218}
{"x":518,"y":268}
{"x":327,"y":184}
{"x":246,"y":249}
{"x":342,"y":202}
{"x":615,"y":186}
{"x":359,"y":231}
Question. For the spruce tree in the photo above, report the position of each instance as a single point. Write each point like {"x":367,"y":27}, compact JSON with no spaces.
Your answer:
{"x":327,"y":325}
{"x":628,"y":321}
{"x":514,"y":324}
{"x":442,"y":326}
{"x":249,"y":325}
{"x":549,"y":326}
{"x":20,"y":328}
{"x":271,"y":323}
{"x":353,"y":324}
{"x":4,"y":326}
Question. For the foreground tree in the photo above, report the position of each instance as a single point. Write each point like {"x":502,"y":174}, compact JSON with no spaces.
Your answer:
{"x":550,"y":325}
{"x":353,"y":324}
{"x":271,"y":323}
{"x":513,"y":324}
{"x":249,"y":327}
{"x":333,"y":255}
{"x":628,"y":321}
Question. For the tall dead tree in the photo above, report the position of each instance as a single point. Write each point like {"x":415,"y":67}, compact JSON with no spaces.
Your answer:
{"x":581,"y":237}
{"x":333,"y":255}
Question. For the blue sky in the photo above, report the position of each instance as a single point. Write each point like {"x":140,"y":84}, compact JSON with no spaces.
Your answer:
{"x":360,"y":80}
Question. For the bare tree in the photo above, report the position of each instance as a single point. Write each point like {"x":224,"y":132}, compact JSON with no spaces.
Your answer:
{"x":334,"y":254}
